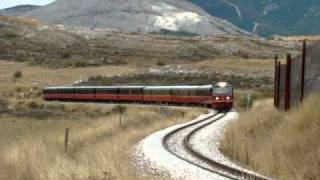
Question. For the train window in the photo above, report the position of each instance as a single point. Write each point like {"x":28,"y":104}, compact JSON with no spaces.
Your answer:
{"x":67,"y":91}
{"x":136,"y":91}
{"x":160,"y":92}
{"x":107,"y":91}
{"x":146,"y":92}
{"x":203,"y":92}
{"x":222,"y":90}
{"x":183,"y":92}
{"x":84,"y":90}
{"x":124,"y":91}
{"x":175,"y":92}
{"x":193,"y":92}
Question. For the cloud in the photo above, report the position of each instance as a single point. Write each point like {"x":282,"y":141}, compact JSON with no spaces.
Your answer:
{"x":11,"y":3}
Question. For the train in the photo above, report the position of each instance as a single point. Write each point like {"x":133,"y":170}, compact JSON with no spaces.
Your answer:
{"x":218,"y":96}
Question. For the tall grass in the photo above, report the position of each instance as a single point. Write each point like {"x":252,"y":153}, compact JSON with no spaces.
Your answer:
{"x":277,"y":144}
{"x":99,"y":148}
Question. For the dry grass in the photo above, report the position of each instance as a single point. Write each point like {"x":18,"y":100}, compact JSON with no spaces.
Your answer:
{"x":281,"y":145}
{"x":31,"y":134}
{"x":32,"y":131}
{"x":299,"y":38}
{"x":99,"y":148}
{"x":20,"y":20}
{"x":40,"y":76}
{"x":238,"y":66}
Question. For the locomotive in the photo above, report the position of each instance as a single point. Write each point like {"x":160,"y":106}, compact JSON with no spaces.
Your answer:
{"x":218,"y":96}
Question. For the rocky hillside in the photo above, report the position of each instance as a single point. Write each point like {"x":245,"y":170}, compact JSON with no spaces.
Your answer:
{"x":268,"y":17}
{"x":18,"y":10}
{"x":156,"y":16}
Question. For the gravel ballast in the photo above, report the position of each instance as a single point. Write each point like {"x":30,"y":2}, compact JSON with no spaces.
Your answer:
{"x":151,"y":158}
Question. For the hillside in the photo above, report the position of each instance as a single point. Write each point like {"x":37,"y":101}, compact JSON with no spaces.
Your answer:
{"x":144,"y":16}
{"x":18,"y":10}
{"x":267,"y":17}
{"x":62,"y":46}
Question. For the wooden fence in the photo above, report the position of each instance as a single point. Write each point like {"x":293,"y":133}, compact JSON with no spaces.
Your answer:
{"x":298,"y":77}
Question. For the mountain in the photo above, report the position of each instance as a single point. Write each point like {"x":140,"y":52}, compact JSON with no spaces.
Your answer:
{"x":145,"y":16}
{"x":18,"y":10}
{"x":268,"y":17}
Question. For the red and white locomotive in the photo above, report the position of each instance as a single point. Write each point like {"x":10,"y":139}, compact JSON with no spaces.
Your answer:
{"x":218,"y":96}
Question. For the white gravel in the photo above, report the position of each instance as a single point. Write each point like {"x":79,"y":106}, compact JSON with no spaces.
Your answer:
{"x":150,"y":157}
{"x":207,"y":142}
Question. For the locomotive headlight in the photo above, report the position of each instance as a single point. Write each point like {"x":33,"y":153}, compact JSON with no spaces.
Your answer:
{"x":217,"y":98}
{"x":228,"y":97}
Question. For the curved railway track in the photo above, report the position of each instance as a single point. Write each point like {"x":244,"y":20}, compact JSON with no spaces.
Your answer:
{"x":182,"y":136}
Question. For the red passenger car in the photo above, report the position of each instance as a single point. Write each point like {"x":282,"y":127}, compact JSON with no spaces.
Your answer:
{"x":218,"y":96}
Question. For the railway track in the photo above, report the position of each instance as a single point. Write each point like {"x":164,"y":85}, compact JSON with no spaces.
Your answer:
{"x":177,"y":143}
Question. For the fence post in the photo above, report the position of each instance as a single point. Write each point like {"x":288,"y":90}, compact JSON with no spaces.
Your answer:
{"x":304,"y":49}
{"x":288,"y":82}
{"x":278,"y":84}
{"x":66,"y":140}
{"x":275,"y":80}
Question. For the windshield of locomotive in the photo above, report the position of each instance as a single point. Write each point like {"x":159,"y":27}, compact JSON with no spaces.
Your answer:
{"x":222,"y":90}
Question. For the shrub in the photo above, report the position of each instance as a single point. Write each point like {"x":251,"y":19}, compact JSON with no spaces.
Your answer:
{"x":161,"y":63}
{"x":11,"y":35}
{"x":246,"y":102}
{"x":66,"y":55}
{"x":106,"y":82}
{"x":17,"y":74}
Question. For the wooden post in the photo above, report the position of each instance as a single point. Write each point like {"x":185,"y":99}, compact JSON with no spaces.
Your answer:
{"x":182,"y":115}
{"x":304,"y":49}
{"x":275,"y":80}
{"x":66,"y":140}
{"x":278,"y":84}
{"x":288,"y":82}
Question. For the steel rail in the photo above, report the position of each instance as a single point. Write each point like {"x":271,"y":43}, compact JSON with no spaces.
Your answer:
{"x":169,"y":135}
{"x":213,"y":163}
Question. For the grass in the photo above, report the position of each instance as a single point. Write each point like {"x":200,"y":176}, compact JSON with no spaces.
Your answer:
{"x":41,"y":76}
{"x":20,"y":20}
{"x":32,"y":131}
{"x":99,"y":146}
{"x":278,"y":144}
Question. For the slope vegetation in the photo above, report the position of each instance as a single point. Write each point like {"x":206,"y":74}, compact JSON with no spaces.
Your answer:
{"x":282,"y":145}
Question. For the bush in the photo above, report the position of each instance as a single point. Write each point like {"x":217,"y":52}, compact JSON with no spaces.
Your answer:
{"x":66,"y":55}
{"x":245,"y":102}
{"x":161,"y":63}
{"x":17,"y":74}
{"x":106,"y":82}
{"x":11,"y":35}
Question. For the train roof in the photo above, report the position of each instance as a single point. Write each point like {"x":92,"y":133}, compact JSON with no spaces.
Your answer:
{"x":222,"y":84}
{"x":145,"y":87}
{"x":59,"y":87}
{"x":192,"y":87}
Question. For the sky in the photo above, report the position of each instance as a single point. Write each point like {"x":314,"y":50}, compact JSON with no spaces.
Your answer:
{"x":11,"y":3}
